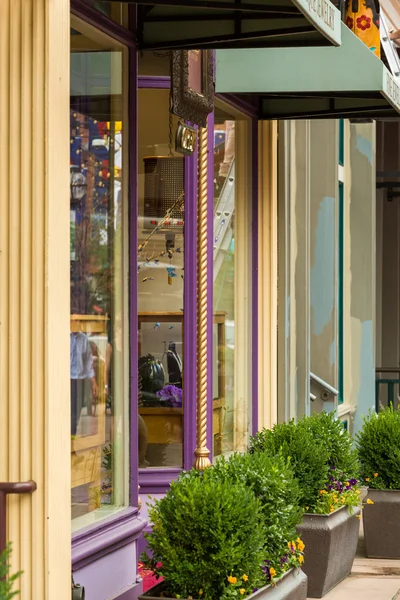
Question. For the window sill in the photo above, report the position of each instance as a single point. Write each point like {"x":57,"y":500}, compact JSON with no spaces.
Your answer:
{"x":116,"y":531}
{"x":156,"y":480}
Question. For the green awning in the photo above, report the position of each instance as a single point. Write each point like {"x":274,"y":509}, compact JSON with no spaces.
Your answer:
{"x":201,"y":24}
{"x":308,"y":83}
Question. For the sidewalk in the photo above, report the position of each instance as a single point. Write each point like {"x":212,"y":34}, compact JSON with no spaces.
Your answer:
{"x":370,"y":579}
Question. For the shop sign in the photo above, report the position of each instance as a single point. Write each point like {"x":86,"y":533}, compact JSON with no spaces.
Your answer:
{"x":185,"y":142}
{"x":391,"y":89}
{"x":192,"y":85}
{"x":324,"y":16}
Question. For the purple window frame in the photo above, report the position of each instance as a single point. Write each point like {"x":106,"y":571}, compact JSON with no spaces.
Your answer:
{"x":94,"y":541}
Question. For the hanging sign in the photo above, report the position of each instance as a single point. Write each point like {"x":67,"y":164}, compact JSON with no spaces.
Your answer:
{"x":185,"y":142}
{"x":192,"y":85}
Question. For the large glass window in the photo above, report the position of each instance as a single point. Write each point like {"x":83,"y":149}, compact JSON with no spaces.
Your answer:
{"x":98,"y":331}
{"x":160,"y":284}
{"x":232,"y":281}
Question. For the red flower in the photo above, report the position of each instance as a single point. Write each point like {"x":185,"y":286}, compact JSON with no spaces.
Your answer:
{"x":363,"y":22}
{"x":350,"y":22}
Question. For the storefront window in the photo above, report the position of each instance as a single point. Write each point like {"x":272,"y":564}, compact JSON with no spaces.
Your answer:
{"x":98,"y":265}
{"x":160,"y":284}
{"x":116,"y":11}
{"x":232,"y":281}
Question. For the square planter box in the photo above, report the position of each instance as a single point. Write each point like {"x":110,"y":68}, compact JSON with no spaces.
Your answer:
{"x":382,"y":524}
{"x":292,"y":586}
{"x":330,"y":547}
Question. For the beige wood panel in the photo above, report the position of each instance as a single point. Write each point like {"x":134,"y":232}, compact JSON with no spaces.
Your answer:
{"x":34,"y":288}
{"x":267,"y":273}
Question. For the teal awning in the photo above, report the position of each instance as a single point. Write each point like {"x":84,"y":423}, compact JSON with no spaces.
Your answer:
{"x":201,"y":24}
{"x":306,"y":83}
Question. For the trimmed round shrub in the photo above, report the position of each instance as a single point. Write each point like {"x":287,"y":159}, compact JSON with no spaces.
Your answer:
{"x":204,"y":531}
{"x":378,"y":445}
{"x":306,"y":455}
{"x":272,"y":481}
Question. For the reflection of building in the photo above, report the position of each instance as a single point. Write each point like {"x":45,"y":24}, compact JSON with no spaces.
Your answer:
{"x":290,"y":262}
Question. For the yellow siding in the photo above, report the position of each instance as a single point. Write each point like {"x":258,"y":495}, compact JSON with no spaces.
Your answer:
{"x":34,"y":288}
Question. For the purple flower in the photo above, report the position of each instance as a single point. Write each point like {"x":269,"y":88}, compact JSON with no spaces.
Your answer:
{"x":353,"y":481}
{"x":171,"y":394}
{"x":284,"y":559}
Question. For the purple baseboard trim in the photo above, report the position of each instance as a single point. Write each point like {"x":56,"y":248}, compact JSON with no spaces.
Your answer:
{"x":132,"y":593}
{"x":152,"y":81}
{"x":94,"y":543}
{"x":156,"y":481}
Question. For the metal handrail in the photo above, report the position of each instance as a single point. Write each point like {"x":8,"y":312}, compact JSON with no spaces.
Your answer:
{"x":329,"y":388}
{"x":19,"y":487}
{"x":387,"y":370}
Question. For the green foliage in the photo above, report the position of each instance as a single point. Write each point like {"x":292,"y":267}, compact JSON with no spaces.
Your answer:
{"x":378,"y":445}
{"x":330,"y":433}
{"x":205,"y":530}
{"x":272,"y":481}
{"x":315,"y":445}
{"x":7,"y":581}
{"x":307,"y":457}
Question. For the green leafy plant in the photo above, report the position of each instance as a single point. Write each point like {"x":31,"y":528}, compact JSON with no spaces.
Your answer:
{"x":307,"y":458}
{"x":378,"y":445}
{"x":206,"y":531}
{"x":272,"y":481}
{"x":322,"y":457}
{"x":7,"y":581}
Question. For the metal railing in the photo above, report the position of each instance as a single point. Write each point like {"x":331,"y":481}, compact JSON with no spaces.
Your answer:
{"x":20,"y":487}
{"x":389,"y":394}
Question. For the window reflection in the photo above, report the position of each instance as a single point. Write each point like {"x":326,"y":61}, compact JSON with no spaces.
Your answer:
{"x":97,"y":282}
{"x":160,"y":285}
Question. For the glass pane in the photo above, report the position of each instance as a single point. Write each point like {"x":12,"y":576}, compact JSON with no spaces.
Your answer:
{"x":160,"y":284}
{"x":232,"y":283}
{"x":98,"y":304}
{"x":154,"y":63}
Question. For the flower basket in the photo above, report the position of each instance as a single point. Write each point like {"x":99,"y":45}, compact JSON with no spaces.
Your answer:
{"x":330,"y":547}
{"x":381,"y":522}
{"x":292,"y":586}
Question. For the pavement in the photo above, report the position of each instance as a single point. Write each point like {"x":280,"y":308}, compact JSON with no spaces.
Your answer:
{"x":370,"y":579}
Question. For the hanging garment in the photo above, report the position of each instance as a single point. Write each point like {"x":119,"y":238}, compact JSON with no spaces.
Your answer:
{"x":362,"y":17}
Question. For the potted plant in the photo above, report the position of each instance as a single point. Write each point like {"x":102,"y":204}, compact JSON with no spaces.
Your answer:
{"x":325,"y":466}
{"x":7,"y":581}
{"x":208,"y":542}
{"x":378,"y":445}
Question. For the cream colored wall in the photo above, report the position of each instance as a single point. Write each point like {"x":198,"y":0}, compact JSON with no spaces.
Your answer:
{"x":267,"y":272}
{"x":34,"y":289}
{"x":293,"y":270}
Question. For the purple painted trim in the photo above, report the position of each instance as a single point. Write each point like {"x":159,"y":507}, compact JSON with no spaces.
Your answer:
{"x":189,"y":305}
{"x":150,"y":81}
{"x":95,"y":18}
{"x":133,"y":284}
{"x":254,"y":296}
{"x":210,"y":283}
{"x":236,"y":102}
{"x":106,"y":537}
{"x":156,"y":481}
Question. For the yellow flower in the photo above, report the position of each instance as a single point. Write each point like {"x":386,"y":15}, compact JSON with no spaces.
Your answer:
{"x":301,"y":559}
{"x":322,"y":492}
{"x":300,"y":545}
{"x":367,"y":479}
{"x":272,"y":572}
{"x":331,"y":508}
{"x":358,"y":492}
{"x":232,"y":579}
{"x":369,"y":501}
{"x":358,"y":517}
{"x":306,"y":507}
{"x":376,"y":474}
{"x":242,"y":591}
{"x":200,"y":592}
{"x":245,"y":578}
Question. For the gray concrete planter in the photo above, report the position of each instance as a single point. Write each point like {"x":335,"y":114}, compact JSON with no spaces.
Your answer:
{"x":382,"y":524}
{"x":331,"y":544}
{"x":292,"y":586}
